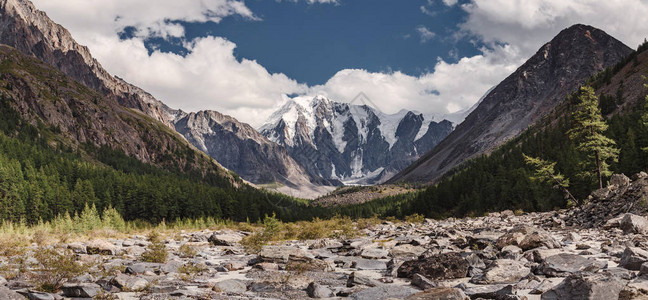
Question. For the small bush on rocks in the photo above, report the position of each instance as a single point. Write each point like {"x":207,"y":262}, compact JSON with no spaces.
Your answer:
{"x":187,"y":251}
{"x":157,"y":252}
{"x":54,"y":267}
{"x":415,"y":218}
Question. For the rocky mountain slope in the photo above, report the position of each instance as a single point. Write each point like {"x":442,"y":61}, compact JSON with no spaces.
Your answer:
{"x":551,"y":255}
{"x":352,"y":143}
{"x":240,"y":148}
{"x":79,"y":115}
{"x":529,"y":93}
{"x":30,"y":31}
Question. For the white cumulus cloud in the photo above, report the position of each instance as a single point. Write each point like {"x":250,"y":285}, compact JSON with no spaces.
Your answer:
{"x":211,"y":77}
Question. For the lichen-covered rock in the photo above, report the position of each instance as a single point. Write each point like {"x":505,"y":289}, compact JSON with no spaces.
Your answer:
{"x":440,"y":266}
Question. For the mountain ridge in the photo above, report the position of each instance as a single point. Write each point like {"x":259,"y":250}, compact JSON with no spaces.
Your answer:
{"x":349,"y":142}
{"x":556,"y":69}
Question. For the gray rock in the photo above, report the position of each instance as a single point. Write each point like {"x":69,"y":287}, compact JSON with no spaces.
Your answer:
{"x":130,"y":283}
{"x":544,"y":286}
{"x":579,"y":287}
{"x":267,"y":266}
{"x":384,"y":292}
{"x":407,"y":251}
{"x":315,"y":290}
{"x":82,"y":290}
{"x":441,"y":293}
{"x":225,"y":239}
{"x":619,"y":180}
{"x":101,"y":247}
{"x":527,"y":237}
{"x":565,"y":264}
{"x":232,"y":286}
{"x":280,"y":254}
{"x":141,"y":268}
{"x":374,"y":253}
{"x":34,"y":295}
{"x":77,"y":248}
{"x":511,"y":252}
{"x":634,"y":224}
{"x":633,"y":258}
{"x":496,"y":291}
{"x":368,"y":264}
{"x":7,"y":294}
{"x":503,"y":271}
{"x":643,"y":269}
{"x":356,"y":279}
{"x":422,"y":282}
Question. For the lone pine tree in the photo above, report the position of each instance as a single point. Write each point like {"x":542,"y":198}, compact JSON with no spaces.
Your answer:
{"x":587,"y":130}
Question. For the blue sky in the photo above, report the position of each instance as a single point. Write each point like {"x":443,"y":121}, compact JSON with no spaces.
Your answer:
{"x":311,"y":43}
{"x":244,"y":58}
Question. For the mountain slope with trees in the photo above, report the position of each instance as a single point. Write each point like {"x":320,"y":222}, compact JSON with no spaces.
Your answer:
{"x":64,"y":146}
{"x":503,"y":180}
{"x":533,"y":90}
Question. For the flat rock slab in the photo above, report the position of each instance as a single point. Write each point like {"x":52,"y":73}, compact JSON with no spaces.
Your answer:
{"x":384,"y":292}
{"x":580,"y":287}
{"x":232,"y":286}
{"x":439,"y":294}
{"x":565,"y":264}
{"x":503,"y":271}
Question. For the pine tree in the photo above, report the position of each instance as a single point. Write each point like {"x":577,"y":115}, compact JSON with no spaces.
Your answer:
{"x":544,"y":171}
{"x":587,"y":131}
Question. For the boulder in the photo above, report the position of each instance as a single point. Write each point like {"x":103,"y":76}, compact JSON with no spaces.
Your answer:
{"x":634,"y":224}
{"x":231,"y":286}
{"x":35,"y":295}
{"x":441,"y":293}
{"x":315,"y":290}
{"x":368,"y":264}
{"x":422,"y":282}
{"x":280,"y":254}
{"x":436,"y":267}
{"x":7,"y":294}
{"x":307,"y":263}
{"x":130,"y":283}
{"x":357,"y":279}
{"x":225,"y":239}
{"x":81,"y":290}
{"x":374,"y":253}
{"x":407,"y":251}
{"x":384,"y":292}
{"x":503,"y":271}
{"x":495,"y":291}
{"x":619,"y":180}
{"x":527,"y":237}
{"x":565,"y":264}
{"x":101,"y":247}
{"x":511,"y":252}
{"x":633,"y":258}
{"x":598,"y":286}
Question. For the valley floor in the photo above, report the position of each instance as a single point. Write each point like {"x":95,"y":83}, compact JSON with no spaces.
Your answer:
{"x":597,"y":251}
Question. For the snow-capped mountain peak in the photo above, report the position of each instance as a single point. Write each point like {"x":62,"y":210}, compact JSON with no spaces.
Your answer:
{"x":348,"y":141}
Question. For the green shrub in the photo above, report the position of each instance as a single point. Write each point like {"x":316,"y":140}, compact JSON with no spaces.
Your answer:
{"x":54,"y":267}
{"x":415,"y":218}
{"x":157,"y":251}
{"x":187,"y":251}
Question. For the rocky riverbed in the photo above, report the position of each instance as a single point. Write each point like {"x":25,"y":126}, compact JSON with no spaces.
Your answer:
{"x":585,"y":253}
